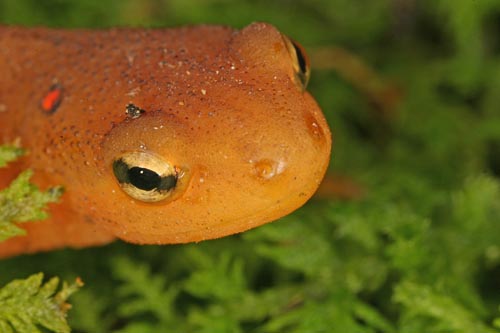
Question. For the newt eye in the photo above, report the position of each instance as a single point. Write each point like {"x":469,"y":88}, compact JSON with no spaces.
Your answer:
{"x":300,"y":60}
{"x":147,"y":177}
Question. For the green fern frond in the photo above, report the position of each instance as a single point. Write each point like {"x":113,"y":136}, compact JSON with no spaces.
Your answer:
{"x":220,"y":278}
{"x":21,"y":201}
{"x":27,"y":304}
{"x":9,"y":153}
{"x":145,"y":292}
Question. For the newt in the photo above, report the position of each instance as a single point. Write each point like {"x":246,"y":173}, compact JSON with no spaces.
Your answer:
{"x":159,"y":136}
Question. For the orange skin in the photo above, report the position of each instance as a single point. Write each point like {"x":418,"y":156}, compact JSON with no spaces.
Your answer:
{"x":224,"y":107}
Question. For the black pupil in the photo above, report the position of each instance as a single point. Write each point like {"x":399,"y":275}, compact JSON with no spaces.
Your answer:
{"x":144,"y":179}
{"x":300,"y":58}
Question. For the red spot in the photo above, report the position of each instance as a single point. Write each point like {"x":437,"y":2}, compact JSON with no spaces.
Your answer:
{"x":52,"y":99}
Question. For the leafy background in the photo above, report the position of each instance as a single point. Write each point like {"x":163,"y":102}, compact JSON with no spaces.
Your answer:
{"x":411,"y":90}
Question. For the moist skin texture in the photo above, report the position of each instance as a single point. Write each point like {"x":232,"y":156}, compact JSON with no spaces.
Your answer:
{"x":223,"y":108}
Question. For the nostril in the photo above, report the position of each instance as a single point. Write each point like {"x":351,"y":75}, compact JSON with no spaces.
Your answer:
{"x":267,"y":168}
{"x":314,"y":127}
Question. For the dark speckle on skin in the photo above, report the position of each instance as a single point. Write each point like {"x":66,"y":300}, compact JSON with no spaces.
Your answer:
{"x":133,"y":111}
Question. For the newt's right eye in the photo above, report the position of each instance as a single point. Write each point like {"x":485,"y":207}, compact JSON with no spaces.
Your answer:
{"x":147,"y":177}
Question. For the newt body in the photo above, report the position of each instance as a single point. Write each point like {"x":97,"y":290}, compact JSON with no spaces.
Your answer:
{"x":159,"y":136}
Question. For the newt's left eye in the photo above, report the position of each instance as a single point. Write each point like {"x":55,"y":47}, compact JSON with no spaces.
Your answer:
{"x":147,"y":177}
{"x":300,"y":62}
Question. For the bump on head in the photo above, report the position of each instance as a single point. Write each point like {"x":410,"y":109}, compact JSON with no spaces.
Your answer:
{"x":272,"y":51}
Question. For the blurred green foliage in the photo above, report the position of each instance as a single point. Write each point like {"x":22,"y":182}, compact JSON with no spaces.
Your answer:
{"x":419,"y":252}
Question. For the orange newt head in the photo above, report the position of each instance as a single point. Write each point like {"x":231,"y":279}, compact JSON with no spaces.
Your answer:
{"x":219,"y":137}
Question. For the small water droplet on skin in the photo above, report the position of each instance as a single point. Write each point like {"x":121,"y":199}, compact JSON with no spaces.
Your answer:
{"x":130,"y":59}
{"x":203,"y":172}
{"x":267,"y":169}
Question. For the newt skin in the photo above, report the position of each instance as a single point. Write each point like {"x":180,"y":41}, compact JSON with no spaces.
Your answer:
{"x":223,"y":105}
